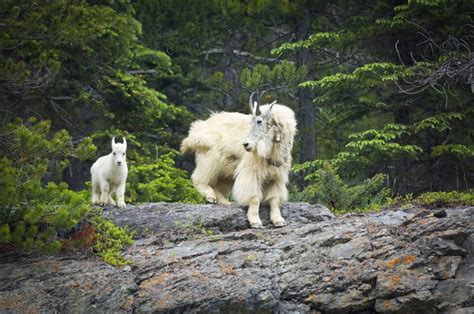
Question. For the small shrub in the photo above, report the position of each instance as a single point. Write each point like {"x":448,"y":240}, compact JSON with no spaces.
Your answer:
{"x":34,"y":214}
{"x":446,"y":199}
{"x":160,"y":181}
{"x":42,"y":216}
{"x":197,"y":227}
{"x":110,"y":241}
{"x":328,"y":188}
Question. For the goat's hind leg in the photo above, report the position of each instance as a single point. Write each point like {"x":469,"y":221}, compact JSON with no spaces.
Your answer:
{"x":204,"y":174}
{"x":223,"y":188}
{"x":95,"y":192}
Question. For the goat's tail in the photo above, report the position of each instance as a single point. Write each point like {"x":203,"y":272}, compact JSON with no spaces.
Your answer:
{"x":197,"y":141}
{"x":188,"y":145}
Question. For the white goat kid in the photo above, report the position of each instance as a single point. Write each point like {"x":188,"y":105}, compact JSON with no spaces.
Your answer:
{"x":248,"y":155}
{"x":109,"y":174}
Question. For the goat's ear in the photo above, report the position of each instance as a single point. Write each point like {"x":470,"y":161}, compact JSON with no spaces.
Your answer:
{"x":113,"y":142}
{"x":124,"y":143}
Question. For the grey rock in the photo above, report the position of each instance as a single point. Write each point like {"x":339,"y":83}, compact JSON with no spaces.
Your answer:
{"x":205,"y":258}
{"x":445,"y":266}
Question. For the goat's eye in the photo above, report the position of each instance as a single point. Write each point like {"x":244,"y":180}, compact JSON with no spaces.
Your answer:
{"x":259,"y":121}
{"x":114,"y":153}
{"x":124,"y":154}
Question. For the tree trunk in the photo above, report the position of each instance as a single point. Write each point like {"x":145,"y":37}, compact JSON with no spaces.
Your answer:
{"x":229,"y":75}
{"x":306,"y":110}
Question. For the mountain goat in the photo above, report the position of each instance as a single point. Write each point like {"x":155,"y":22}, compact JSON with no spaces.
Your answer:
{"x":109,"y":174}
{"x":249,"y":155}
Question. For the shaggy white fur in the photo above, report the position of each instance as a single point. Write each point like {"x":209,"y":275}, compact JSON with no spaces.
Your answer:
{"x":109,"y":174}
{"x":249,"y":155}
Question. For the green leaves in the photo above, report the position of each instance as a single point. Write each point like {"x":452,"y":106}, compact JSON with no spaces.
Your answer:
{"x":438,"y":123}
{"x":261,"y":77}
{"x":367,"y":76}
{"x":326,"y":187}
{"x":160,"y":181}
{"x":31,"y":214}
{"x":458,"y":150}
{"x":110,"y":241}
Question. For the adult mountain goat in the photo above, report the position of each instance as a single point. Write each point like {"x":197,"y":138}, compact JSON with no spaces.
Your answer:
{"x":109,"y":174}
{"x":249,"y":155}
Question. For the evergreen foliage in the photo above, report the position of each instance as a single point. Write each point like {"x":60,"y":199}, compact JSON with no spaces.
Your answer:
{"x":446,"y":199}
{"x":383,"y":92}
{"x":396,"y":100}
{"x":110,"y":241}
{"x":160,"y":181}
{"x":325,"y":186}
{"x":74,"y":74}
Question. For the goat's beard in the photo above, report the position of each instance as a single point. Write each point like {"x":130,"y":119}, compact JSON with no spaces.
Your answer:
{"x":264,"y":147}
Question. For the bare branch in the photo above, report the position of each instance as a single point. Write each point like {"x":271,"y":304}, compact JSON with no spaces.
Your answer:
{"x":455,"y":65}
{"x":146,"y":71}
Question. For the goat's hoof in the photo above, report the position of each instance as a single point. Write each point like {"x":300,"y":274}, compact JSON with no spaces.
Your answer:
{"x":280,"y":223}
{"x":225,"y":202}
{"x":211,"y":200}
{"x":257,"y":225}
{"x":121,"y":205}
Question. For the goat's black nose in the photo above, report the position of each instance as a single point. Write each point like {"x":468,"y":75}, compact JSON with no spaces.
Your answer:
{"x":119,"y":163}
{"x":246,"y":144}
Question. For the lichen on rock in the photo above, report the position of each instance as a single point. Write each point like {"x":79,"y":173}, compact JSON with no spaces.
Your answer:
{"x":205,"y":258}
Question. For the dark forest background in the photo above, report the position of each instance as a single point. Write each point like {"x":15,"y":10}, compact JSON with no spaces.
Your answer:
{"x":383,"y":92}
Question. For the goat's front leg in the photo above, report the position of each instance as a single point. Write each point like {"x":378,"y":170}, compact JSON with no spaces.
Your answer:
{"x":275,"y":214}
{"x":252,"y":214}
{"x":104,"y":192}
{"x":120,"y":192}
{"x":112,"y":189}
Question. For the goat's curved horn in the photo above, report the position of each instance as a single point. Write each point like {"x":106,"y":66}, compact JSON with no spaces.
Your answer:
{"x":124,"y":142}
{"x":251,"y":103}
{"x":113,"y":142}
{"x":257,"y":108}
{"x":271,"y":105}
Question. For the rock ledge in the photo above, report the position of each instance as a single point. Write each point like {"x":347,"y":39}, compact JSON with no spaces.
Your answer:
{"x":204,"y":258}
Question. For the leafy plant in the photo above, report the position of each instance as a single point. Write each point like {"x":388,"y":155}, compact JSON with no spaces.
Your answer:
{"x":36,"y":215}
{"x":446,"y":199}
{"x":160,"y":181}
{"x":196,"y":226}
{"x":110,"y":241}
{"x":33,"y":214}
{"x":326,"y":187}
